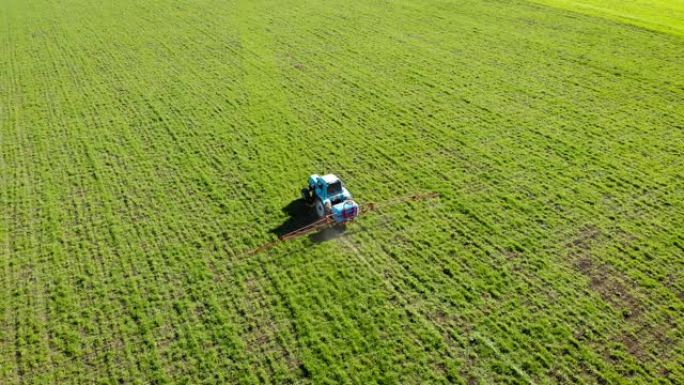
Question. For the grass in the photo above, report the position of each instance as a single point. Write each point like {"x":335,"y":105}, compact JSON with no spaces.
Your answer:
{"x":146,"y":148}
{"x":665,"y":16}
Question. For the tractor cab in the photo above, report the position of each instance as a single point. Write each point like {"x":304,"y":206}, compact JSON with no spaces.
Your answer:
{"x":329,"y":196}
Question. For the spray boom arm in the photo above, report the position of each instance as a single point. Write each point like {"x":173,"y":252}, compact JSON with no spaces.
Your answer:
{"x":330,"y":220}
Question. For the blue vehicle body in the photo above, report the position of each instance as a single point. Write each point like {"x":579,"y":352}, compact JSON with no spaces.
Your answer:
{"x":345,"y":211}
{"x":330,"y":198}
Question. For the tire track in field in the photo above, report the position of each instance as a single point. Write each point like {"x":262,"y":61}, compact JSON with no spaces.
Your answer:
{"x":261,"y":102}
{"x":28,"y":318}
{"x":178,"y":234}
{"x":91,"y":217}
{"x":10,"y":358}
{"x":87,"y":185}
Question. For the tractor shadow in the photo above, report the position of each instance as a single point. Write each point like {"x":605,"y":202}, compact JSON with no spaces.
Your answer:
{"x":300,"y":215}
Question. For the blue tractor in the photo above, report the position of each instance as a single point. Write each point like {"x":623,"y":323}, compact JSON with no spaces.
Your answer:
{"x":330,"y":198}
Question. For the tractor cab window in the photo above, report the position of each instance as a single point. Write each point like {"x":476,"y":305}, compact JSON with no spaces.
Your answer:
{"x":334,"y":188}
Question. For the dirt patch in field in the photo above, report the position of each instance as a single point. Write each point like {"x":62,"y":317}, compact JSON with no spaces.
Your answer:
{"x":585,"y":237}
{"x":613,"y":287}
{"x":651,"y":338}
{"x":632,"y":345}
{"x":609,"y":284}
{"x":642,"y":337}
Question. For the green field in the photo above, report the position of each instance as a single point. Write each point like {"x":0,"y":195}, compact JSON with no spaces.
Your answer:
{"x":146,"y":147}
{"x":658,"y":15}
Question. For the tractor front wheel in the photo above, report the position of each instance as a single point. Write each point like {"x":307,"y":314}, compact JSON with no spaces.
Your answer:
{"x":320,"y":209}
{"x":323,"y":210}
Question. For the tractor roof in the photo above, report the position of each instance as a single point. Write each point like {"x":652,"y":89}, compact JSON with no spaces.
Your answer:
{"x":330,"y":178}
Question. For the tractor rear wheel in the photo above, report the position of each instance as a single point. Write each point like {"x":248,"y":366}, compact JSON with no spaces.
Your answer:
{"x":308,"y":197}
